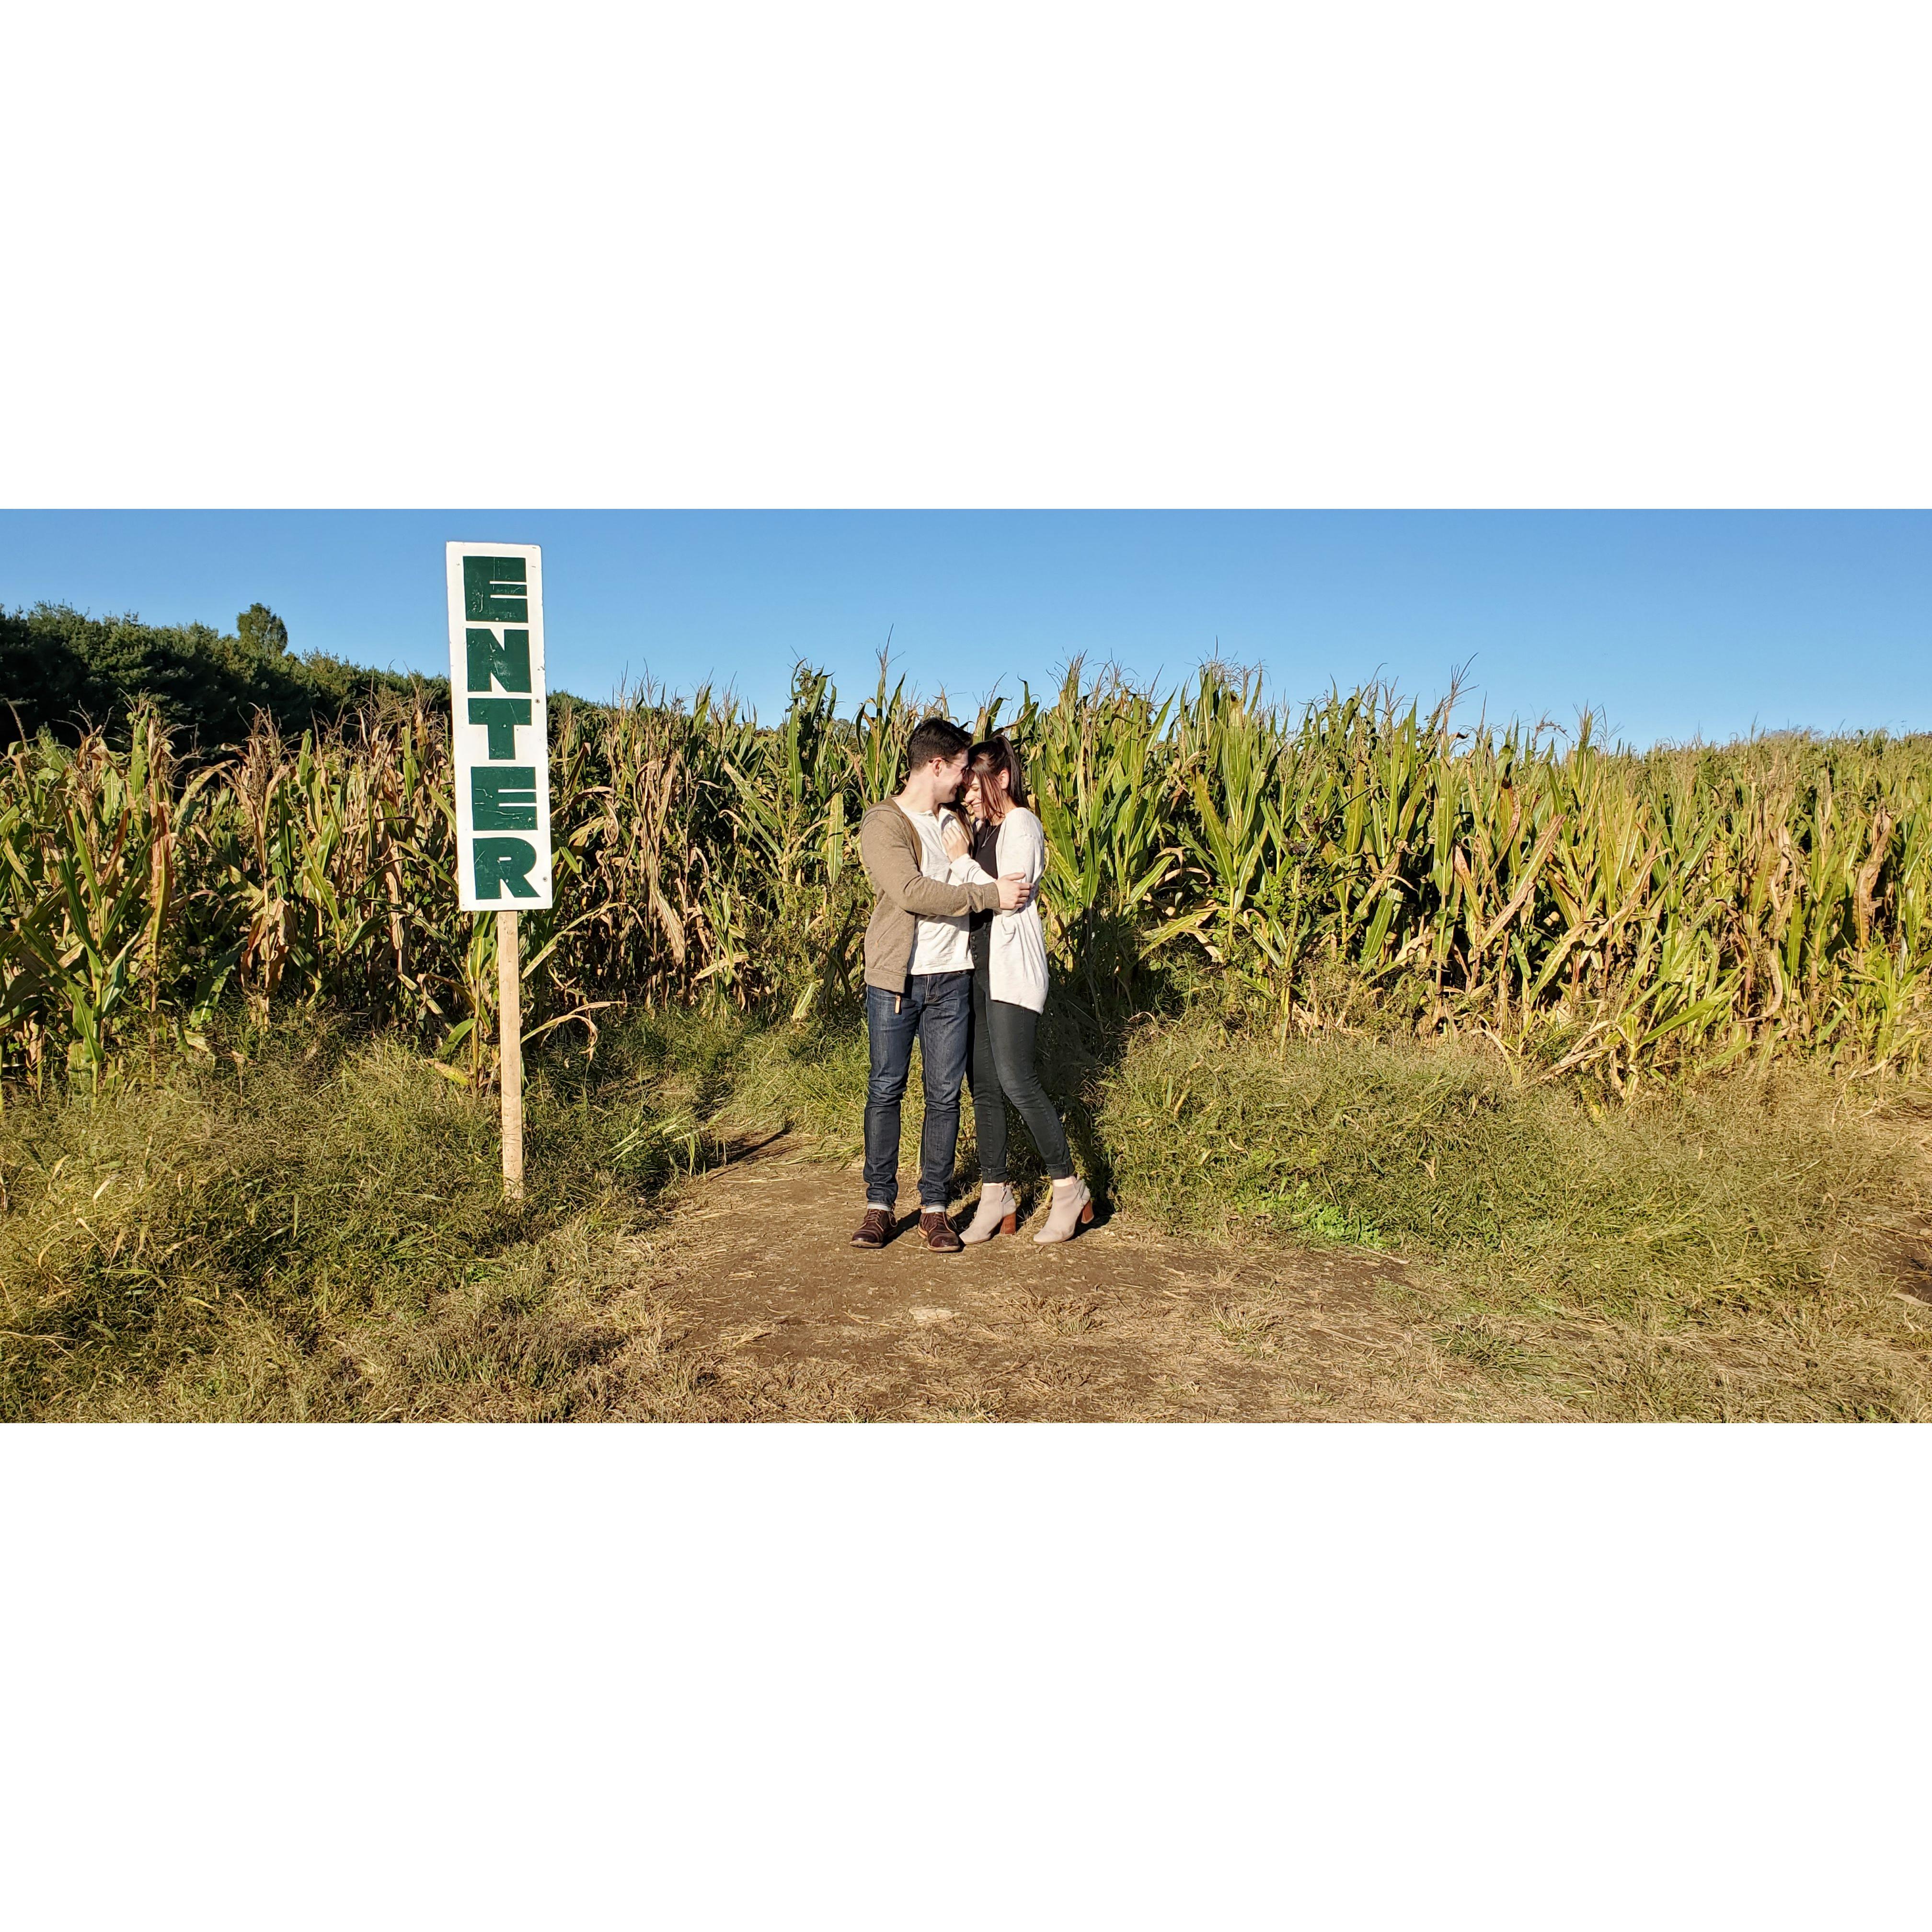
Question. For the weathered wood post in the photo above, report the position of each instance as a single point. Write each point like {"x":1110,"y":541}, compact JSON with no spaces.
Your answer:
{"x":510,"y":1042}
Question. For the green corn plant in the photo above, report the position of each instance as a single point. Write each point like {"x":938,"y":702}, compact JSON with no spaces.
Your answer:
{"x":1641,"y":913}
{"x":1093,"y":765}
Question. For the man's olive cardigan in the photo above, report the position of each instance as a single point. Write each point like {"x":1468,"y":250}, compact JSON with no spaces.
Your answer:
{"x":889,"y":843}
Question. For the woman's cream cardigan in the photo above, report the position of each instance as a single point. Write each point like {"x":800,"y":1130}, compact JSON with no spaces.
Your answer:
{"x":1016,"y":943}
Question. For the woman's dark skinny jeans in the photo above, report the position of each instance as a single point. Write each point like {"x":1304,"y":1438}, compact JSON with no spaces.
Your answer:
{"x":1002,"y":1070}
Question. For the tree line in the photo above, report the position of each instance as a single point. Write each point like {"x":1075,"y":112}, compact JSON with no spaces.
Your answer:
{"x":64,"y":672}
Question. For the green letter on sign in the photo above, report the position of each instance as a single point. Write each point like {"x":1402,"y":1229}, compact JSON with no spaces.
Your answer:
{"x":503,"y":798}
{"x":494,"y":591}
{"x":508,"y":663}
{"x":500,"y":716}
{"x":505,"y":862}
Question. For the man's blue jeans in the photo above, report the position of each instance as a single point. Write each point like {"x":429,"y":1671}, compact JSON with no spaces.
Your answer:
{"x":936,"y":1010}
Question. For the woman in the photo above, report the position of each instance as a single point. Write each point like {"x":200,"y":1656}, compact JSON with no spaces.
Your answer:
{"x":1009,"y":992}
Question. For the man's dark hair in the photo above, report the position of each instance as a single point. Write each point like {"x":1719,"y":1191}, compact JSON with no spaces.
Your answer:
{"x":936,"y":738}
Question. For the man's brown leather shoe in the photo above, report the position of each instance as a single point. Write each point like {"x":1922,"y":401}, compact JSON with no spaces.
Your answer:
{"x":874,"y":1228}
{"x":937,"y":1231}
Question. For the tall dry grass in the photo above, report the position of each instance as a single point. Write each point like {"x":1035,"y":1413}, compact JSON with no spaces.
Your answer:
{"x":320,"y":1233}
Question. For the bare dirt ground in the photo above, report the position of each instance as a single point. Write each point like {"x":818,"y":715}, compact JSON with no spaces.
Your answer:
{"x":755,"y":1270}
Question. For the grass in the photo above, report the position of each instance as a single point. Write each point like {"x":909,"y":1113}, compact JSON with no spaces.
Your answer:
{"x":1735,"y":1248}
{"x":317,"y":1233}
{"x":321,"y":1236}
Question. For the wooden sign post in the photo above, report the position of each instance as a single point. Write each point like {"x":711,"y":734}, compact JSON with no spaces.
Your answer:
{"x":510,"y":1040}
{"x":500,"y":729}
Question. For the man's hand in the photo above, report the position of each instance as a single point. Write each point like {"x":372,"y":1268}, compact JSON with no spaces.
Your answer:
{"x":1014,"y":892}
{"x":952,"y":835}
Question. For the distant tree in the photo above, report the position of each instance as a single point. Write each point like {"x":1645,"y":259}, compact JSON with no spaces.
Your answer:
{"x":260,"y":626}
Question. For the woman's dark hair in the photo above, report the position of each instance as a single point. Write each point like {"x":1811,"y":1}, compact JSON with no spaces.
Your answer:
{"x":993,"y":755}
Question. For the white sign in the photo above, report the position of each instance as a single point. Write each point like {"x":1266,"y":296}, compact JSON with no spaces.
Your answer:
{"x":500,"y":727}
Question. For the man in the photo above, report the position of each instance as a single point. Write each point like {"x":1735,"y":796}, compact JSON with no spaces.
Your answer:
{"x":919,"y":978}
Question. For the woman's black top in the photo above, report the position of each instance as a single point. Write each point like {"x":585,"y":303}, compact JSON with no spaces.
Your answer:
{"x":980,"y":925}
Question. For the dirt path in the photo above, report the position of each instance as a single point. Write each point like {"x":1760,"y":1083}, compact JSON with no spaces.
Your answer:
{"x":1121,"y":1324}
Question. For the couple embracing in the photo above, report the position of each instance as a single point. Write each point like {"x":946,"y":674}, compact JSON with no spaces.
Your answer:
{"x":955,"y":958}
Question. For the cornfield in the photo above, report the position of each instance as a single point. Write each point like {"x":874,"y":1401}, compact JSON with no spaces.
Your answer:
{"x":1599,"y":910}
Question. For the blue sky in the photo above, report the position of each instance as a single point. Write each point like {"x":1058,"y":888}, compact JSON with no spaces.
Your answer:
{"x":1674,"y":624}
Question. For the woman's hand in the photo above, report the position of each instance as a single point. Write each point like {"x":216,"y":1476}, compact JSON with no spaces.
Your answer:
{"x":952,"y":835}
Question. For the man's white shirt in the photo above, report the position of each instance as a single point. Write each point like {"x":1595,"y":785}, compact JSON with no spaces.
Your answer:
{"x":939,"y":945}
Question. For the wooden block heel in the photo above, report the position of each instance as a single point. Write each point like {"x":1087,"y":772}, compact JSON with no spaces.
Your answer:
{"x":1007,"y":1226}
{"x":1086,"y":1215}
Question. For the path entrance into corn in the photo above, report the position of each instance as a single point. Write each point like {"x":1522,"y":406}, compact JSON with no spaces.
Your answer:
{"x":1120,"y":1324}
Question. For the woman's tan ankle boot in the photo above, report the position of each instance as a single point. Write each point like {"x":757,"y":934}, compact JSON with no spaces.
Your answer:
{"x":998,"y":1210}
{"x":1073,"y":1208}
